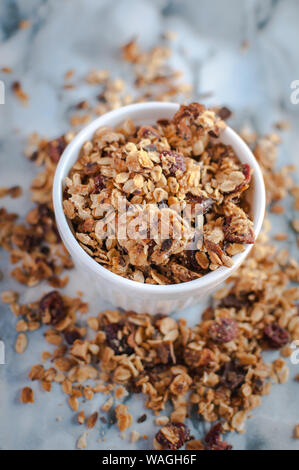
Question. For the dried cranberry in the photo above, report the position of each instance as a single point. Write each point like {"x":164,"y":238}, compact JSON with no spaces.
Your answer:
{"x":223,"y":330}
{"x":99,"y":183}
{"x":213,"y":439}
{"x":30,"y":242}
{"x":119,"y":346}
{"x":173,"y":436}
{"x":191,"y":262}
{"x":55,"y":148}
{"x":232,"y":375}
{"x":52,"y":304}
{"x":72,"y":335}
{"x":142,"y":418}
{"x":173,"y":162}
{"x":232,"y":301}
{"x":90,"y":168}
{"x":276,"y":336}
{"x":224,"y":113}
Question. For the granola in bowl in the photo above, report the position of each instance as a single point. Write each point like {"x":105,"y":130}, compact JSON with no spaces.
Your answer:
{"x":160,"y":204}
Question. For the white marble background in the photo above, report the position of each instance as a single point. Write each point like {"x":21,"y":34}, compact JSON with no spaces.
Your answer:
{"x":81,"y":34}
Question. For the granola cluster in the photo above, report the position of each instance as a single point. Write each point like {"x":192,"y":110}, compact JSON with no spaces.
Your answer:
{"x":173,"y":176}
{"x":216,"y":366}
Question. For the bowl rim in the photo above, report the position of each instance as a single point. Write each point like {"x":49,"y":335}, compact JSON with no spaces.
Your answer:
{"x":72,"y":245}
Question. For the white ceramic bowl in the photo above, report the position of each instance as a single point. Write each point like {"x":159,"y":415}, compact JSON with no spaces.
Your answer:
{"x":131,"y":295}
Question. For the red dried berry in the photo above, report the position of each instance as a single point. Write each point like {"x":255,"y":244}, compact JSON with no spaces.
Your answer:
{"x":173,"y":436}
{"x":232,"y":376}
{"x":276,"y":336}
{"x":224,"y":113}
{"x":52,"y":304}
{"x":244,"y":300}
{"x":55,"y":148}
{"x":213,"y":439}
{"x":173,"y":163}
{"x":99,"y":183}
{"x":90,"y":168}
{"x":223,"y":330}
{"x":72,"y":335}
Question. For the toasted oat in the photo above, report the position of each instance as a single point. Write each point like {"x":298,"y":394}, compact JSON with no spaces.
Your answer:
{"x":135,"y":436}
{"x":27,"y":395}
{"x":92,"y":419}
{"x":124,"y":418}
{"x":73,"y":402}
{"x":161,"y":420}
{"x":21,"y":343}
{"x":82,"y":441}
{"x":9,"y":296}
{"x":108,"y":404}
{"x":81,"y":417}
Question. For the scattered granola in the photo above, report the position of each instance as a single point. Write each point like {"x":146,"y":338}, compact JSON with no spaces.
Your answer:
{"x":156,"y":173}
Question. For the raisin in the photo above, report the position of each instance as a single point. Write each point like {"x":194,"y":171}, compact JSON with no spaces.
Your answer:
{"x":55,"y":148}
{"x":90,"y":168}
{"x":72,"y":335}
{"x":191,"y":262}
{"x":52,"y":304}
{"x":223,"y":330}
{"x":119,"y":346}
{"x":173,"y":436}
{"x":213,"y":439}
{"x":99,"y":184}
{"x":232,"y":301}
{"x":142,"y":418}
{"x":232,"y":376}
{"x":166,"y":244}
{"x":224,"y":113}
{"x":276,"y":336}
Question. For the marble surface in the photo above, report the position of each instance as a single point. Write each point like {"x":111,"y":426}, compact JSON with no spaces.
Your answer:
{"x":84,"y":33}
